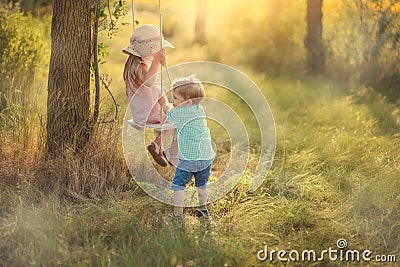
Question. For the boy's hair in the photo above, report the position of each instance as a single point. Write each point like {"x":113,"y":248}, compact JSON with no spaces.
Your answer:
{"x":189,"y":88}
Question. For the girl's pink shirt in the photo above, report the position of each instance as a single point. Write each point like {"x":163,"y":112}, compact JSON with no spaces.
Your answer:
{"x":143,"y":100}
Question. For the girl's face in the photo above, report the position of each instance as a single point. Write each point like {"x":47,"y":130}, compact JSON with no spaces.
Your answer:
{"x":177,"y":99}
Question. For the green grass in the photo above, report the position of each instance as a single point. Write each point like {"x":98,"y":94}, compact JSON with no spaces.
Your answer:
{"x":336,"y":175}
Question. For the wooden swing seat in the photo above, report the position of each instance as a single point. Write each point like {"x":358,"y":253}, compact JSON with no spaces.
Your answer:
{"x":156,"y":126}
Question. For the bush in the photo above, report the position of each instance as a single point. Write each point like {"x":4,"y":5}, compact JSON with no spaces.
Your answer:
{"x":21,"y":52}
{"x":362,"y":39}
{"x":363,"y":42}
{"x":37,"y":7}
{"x":266,"y":35}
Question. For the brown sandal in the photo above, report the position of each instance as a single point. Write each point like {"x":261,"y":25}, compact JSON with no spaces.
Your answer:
{"x":158,"y":157}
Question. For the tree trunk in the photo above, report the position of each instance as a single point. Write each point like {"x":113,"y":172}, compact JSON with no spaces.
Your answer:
{"x":68,"y":104}
{"x":200,"y":21}
{"x":313,"y":41}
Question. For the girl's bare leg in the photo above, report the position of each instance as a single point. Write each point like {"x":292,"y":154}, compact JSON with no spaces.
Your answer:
{"x":171,"y":153}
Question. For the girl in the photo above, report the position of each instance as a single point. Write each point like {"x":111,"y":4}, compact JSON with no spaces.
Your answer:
{"x":145,"y":99}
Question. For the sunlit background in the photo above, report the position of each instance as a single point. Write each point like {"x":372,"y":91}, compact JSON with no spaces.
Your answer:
{"x":336,"y":170}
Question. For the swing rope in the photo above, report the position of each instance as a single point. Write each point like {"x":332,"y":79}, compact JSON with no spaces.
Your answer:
{"x":162,"y":46}
{"x":165,"y":63}
{"x":133,"y":15}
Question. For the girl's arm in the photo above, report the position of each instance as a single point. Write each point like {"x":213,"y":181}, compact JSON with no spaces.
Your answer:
{"x":159,"y":58}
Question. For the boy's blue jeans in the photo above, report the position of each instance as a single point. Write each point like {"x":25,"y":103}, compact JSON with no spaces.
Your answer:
{"x":200,"y":169}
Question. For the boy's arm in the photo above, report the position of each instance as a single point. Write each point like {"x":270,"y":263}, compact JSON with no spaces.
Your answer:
{"x":174,"y":116}
{"x":170,"y":118}
{"x":163,"y":101}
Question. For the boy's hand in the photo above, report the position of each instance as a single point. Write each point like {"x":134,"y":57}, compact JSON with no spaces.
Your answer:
{"x":163,"y":101}
{"x":160,"y":57}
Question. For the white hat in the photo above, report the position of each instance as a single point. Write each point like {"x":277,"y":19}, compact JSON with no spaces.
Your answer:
{"x":145,"y":41}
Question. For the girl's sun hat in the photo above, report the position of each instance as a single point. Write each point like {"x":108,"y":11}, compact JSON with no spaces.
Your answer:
{"x":145,"y":41}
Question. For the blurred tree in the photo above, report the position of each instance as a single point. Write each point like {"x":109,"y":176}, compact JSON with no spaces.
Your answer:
{"x":68,"y":107}
{"x":200,"y":21}
{"x":313,"y":41}
{"x":36,"y":7}
{"x":380,"y":26}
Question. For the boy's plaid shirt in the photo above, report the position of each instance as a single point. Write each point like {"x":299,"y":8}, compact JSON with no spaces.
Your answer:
{"x":194,"y":139}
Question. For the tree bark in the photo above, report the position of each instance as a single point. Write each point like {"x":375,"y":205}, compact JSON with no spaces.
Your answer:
{"x":313,"y":41}
{"x":68,"y":104}
{"x":200,"y":21}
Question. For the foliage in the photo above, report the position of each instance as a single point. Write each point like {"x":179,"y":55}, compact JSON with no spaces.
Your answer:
{"x":335,"y":175}
{"x":381,"y":66}
{"x":268,"y":36}
{"x":111,"y":13}
{"x":106,"y":22}
{"x":363,"y":40}
{"x":36,"y":7}
{"x":22,"y":52}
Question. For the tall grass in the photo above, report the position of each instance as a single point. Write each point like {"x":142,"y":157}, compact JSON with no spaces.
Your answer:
{"x":336,"y":175}
{"x":341,"y":183}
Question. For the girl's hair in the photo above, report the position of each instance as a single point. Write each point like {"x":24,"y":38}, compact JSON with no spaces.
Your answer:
{"x":189,"y":88}
{"x":133,"y":76}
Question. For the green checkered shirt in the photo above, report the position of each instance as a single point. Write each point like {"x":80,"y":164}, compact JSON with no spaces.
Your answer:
{"x":194,"y":140}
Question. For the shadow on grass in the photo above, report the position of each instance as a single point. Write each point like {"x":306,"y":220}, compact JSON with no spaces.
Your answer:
{"x":384,"y":111}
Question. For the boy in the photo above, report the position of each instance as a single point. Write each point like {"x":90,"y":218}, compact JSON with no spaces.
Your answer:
{"x":194,"y":142}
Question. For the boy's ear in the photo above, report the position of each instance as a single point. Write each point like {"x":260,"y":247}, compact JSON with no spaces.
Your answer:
{"x":190,"y":101}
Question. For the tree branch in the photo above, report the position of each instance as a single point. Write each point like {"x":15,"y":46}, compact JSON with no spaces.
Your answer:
{"x":96,"y":62}
{"x":113,"y":98}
